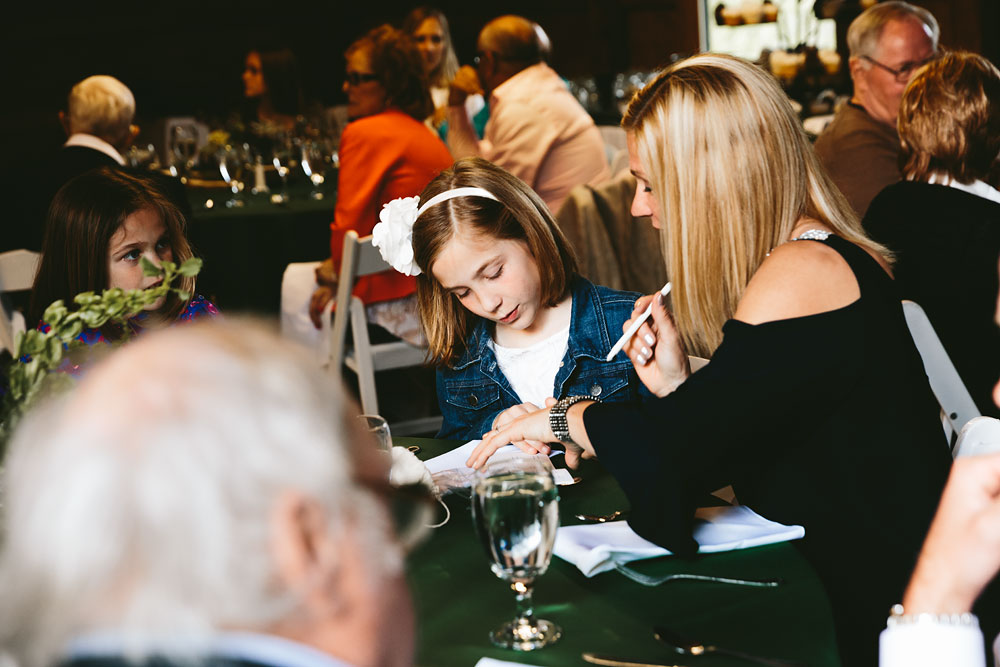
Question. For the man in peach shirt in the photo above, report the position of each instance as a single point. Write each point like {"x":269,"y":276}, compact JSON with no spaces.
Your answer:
{"x":537,"y":130}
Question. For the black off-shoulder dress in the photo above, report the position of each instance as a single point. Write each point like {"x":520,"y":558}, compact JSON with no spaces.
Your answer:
{"x":826,"y":421}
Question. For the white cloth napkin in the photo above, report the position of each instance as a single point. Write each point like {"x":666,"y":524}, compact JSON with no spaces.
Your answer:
{"x":449,"y":469}
{"x":493,"y":662}
{"x":599,"y":547}
{"x":297,"y":286}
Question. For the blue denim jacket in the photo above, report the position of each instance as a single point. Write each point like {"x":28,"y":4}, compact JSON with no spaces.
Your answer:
{"x":475,"y":390}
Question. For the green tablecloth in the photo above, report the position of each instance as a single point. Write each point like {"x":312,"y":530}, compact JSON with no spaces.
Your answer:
{"x":459,"y":600}
{"x":246,"y":249}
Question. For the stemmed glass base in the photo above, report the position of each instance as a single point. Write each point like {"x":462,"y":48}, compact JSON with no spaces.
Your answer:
{"x":523,"y":634}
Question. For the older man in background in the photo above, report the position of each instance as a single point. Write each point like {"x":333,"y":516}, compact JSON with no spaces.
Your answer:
{"x":98,"y":123}
{"x":202,"y":498}
{"x":537,"y":130}
{"x":860,"y":148}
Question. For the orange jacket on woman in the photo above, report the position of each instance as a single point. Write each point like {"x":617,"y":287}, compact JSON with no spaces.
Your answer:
{"x":382,"y":157}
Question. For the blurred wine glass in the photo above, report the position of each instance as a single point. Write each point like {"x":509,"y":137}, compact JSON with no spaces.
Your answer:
{"x":139,"y":157}
{"x":283,"y":158}
{"x":183,"y":149}
{"x":232,"y":166}
{"x":317,"y":159}
{"x":379,"y":430}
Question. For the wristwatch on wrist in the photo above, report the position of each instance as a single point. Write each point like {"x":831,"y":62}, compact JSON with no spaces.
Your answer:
{"x":557,"y":417}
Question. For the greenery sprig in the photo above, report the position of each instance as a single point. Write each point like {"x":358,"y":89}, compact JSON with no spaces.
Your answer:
{"x":37,"y":353}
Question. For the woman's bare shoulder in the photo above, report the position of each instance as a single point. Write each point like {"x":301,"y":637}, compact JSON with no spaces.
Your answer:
{"x":798,"y":278}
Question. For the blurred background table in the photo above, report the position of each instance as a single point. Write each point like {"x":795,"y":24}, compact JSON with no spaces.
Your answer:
{"x":247,"y":248}
{"x":458,"y":600}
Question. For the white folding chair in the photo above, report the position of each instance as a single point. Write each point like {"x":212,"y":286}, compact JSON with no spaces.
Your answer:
{"x":981,"y":435}
{"x":17,"y":272}
{"x":361,"y":258}
{"x":957,"y":406}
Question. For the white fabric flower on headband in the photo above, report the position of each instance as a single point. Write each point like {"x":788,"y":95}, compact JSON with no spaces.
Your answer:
{"x":393,"y":236}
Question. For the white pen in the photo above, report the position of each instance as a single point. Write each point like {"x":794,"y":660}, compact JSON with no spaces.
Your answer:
{"x":635,"y":325}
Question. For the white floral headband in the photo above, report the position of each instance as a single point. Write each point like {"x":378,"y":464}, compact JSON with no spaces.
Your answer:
{"x":393,"y":235}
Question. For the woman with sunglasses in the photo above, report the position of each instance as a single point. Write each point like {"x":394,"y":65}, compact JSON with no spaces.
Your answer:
{"x":386,"y":152}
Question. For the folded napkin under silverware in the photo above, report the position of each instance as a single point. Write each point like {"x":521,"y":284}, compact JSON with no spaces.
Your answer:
{"x":596,"y":548}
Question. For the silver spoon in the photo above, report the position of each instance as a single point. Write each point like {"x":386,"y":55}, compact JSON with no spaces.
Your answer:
{"x":691,"y":647}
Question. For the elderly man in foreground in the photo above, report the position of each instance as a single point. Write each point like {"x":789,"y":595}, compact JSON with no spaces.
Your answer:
{"x":537,"y":130}
{"x":860,"y":148}
{"x":202,"y":498}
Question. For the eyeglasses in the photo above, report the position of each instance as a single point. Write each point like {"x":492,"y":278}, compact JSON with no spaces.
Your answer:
{"x":358,"y":78}
{"x":904,"y":73}
{"x":411,"y":508}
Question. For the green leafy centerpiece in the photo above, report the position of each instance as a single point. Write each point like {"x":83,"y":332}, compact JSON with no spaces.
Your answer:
{"x":38,"y":353}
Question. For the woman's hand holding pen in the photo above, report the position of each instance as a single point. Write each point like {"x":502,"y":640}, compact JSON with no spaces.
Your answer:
{"x":656,"y":349}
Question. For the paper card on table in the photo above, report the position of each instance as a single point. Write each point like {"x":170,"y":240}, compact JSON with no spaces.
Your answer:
{"x":449,"y":469}
{"x":599,"y":547}
{"x":493,"y":662}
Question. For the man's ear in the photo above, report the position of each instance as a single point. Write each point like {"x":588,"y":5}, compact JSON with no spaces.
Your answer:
{"x":858,"y":69}
{"x":64,"y":121}
{"x":303,"y":551}
{"x":133,"y":132}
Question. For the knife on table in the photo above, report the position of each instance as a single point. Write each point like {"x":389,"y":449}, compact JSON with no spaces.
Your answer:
{"x":609,"y":661}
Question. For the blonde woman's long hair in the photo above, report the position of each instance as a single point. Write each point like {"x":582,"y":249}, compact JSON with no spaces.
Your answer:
{"x":733,"y":173}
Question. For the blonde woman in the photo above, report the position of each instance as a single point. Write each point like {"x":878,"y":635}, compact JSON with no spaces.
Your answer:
{"x":428,"y":27}
{"x":814,"y":406}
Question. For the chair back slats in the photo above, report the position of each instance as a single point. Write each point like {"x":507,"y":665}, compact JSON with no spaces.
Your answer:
{"x":361,"y":258}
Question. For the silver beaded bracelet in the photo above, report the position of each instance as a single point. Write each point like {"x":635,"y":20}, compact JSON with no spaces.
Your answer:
{"x":898,"y":616}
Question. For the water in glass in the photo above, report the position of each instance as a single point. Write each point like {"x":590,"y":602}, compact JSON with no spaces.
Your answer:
{"x":515,"y":507}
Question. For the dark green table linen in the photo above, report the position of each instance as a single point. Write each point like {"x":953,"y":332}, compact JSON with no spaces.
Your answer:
{"x":458,"y":600}
{"x":246,"y":249}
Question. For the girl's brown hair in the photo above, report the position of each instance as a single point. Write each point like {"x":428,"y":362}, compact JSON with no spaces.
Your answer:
{"x":518,"y":215}
{"x":84,"y":215}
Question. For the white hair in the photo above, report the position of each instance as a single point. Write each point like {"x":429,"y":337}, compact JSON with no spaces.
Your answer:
{"x":865,"y":31}
{"x":102,"y":106}
{"x":142,"y":502}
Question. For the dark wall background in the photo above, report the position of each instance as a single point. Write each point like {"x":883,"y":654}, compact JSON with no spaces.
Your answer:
{"x":185,"y":57}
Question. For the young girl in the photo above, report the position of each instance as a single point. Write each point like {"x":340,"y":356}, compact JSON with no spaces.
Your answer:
{"x":508,"y":320}
{"x":99,"y":226}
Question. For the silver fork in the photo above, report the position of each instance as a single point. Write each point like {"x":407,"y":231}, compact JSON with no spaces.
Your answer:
{"x":650,"y":580}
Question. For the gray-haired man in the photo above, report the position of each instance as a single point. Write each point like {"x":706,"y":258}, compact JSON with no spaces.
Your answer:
{"x":860,"y":148}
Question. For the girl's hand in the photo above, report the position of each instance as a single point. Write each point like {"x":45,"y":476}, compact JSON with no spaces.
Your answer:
{"x":317,"y":305}
{"x":513,"y":412}
{"x":656,"y":350}
{"x":534,"y":426}
{"x":527,"y":428}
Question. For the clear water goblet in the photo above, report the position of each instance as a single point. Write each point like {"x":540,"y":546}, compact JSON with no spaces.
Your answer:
{"x":515,"y":507}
